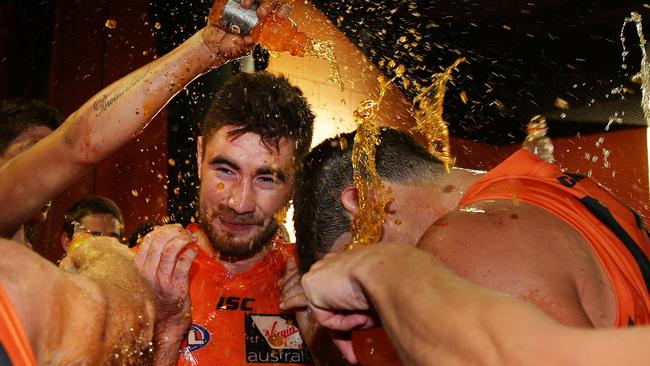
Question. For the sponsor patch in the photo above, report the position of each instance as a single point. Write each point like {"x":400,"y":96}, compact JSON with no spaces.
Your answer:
{"x":274,"y":339}
{"x":197,"y":338}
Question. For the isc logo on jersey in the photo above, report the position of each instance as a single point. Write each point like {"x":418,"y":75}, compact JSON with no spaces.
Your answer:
{"x":197,"y":338}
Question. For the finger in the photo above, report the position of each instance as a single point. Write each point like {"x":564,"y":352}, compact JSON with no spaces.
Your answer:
{"x":341,"y":321}
{"x":246,"y":4}
{"x":345,"y":346}
{"x":291,"y":283}
{"x":184,"y":264}
{"x":291,"y":264}
{"x":142,"y":254}
{"x":249,"y":41}
{"x":158,"y":238}
{"x":293,"y":302}
{"x":170,"y":252}
{"x":266,"y":8}
{"x":245,"y":48}
{"x":291,"y":273}
{"x":283,"y":11}
{"x":292,"y":291}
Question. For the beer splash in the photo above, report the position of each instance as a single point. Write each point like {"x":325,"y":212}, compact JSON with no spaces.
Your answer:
{"x":644,"y":74}
{"x":324,"y":50}
{"x":366,"y":225}
{"x":281,"y":215}
{"x":427,"y":109}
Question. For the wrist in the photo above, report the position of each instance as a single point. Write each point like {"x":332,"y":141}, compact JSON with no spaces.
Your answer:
{"x":174,"y":324}
{"x":169,"y":334}
{"x":379,"y":270}
{"x":210,"y":48}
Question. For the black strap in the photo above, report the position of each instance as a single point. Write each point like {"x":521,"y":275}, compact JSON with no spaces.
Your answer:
{"x":4,"y":358}
{"x":603,"y":214}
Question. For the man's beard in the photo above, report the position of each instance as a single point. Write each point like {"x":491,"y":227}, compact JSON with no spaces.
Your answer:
{"x":231,"y":246}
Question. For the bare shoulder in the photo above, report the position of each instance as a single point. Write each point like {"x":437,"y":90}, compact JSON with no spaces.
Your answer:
{"x":518,"y":249}
{"x":25,"y":276}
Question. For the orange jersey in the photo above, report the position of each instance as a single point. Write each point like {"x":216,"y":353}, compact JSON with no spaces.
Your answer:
{"x":236,"y":318}
{"x":614,"y":231}
{"x":15,"y":349}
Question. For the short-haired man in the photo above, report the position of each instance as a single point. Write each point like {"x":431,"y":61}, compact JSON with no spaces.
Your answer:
{"x":525,"y":228}
{"x":99,"y":215}
{"x":22,"y":124}
{"x":254,"y":136}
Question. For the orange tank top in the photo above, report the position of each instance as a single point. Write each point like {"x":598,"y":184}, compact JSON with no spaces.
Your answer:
{"x":15,"y":349}
{"x":236,"y":318}
{"x":614,"y":231}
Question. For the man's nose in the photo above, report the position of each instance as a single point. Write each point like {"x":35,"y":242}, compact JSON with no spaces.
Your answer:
{"x":241,"y":198}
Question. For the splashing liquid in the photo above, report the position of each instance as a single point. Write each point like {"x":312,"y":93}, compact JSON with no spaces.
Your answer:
{"x":373,"y":196}
{"x":281,"y":215}
{"x":274,"y":33}
{"x":644,"y":73}
{"x":372,"y":346}
{"x":428,"y":108}
{"x":324,"y":50}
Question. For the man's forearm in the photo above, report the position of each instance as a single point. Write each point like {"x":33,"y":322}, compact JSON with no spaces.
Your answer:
{"x":101,"y":126}
{"x":120,"y":111}
{"x":433,"y":316}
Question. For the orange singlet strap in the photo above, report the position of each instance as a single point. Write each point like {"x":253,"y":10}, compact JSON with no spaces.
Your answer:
{"x":12,"y":336}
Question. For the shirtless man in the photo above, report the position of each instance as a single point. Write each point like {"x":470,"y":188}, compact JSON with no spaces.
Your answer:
{"x":98,"y":310}
{"x":442,"y":319}
{"x":525,"y":228}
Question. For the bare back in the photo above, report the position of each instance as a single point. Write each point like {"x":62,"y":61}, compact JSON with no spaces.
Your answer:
{"x":526,"y":252}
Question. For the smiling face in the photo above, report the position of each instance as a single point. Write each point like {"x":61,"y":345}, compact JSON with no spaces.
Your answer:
{"x":243,"y":184}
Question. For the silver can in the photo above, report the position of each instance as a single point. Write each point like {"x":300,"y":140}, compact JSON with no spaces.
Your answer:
{"x":238,"y":20}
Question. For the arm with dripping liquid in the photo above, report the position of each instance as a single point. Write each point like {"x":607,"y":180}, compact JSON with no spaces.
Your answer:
{"x":432,"y":316}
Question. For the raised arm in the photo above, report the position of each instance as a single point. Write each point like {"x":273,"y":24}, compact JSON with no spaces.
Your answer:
{"x":434,"y":317}
{"x":110,"y":119}
{"x":101,"y":308}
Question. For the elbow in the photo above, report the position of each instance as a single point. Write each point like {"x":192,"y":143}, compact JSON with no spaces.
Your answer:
{"x":79,"y":141}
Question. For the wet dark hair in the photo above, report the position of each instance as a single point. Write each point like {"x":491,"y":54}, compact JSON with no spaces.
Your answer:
{"x":319,"y":215}
{"x":18,"y":115}
{"x":264,"y":104}
{"x":91,"y":205}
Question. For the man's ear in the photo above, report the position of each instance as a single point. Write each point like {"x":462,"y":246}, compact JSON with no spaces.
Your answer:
{"x":199,"y":154}
{"x":350,"y":200}
{"x":65,"y":241}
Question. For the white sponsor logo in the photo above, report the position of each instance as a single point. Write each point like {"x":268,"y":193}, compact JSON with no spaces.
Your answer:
{"x":279,"y":333}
